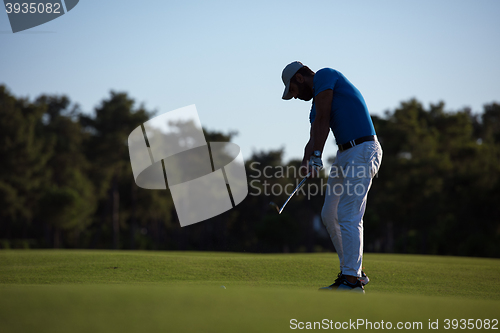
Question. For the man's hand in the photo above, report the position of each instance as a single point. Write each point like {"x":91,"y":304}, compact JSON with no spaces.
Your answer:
{"x":312,"y":167}
{"x":316,"y":164}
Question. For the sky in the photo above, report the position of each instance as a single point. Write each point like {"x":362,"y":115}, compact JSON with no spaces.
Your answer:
{"x":226,"y":57}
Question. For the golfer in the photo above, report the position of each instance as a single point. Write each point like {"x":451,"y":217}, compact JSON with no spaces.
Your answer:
{"x":339,"y":106}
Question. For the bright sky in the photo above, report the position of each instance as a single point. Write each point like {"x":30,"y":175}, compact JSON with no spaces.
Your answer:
{"x":227,"y":56}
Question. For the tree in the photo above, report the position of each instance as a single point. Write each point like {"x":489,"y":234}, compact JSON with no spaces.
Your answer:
{"x":107,"y":152}
{"x":68,"y":200}
{"x":437,"y":180}
{"x":24,"y":153}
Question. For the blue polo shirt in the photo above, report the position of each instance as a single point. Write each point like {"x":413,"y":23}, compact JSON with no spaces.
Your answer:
{"x":349,"y":117}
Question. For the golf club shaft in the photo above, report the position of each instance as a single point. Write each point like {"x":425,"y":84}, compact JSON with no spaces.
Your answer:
{"x":294,"y":191}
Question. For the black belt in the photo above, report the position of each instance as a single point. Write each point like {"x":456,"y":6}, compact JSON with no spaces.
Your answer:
{"x":356,"y":142}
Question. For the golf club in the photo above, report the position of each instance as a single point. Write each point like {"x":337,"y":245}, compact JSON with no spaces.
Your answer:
{"x":291,"y":195}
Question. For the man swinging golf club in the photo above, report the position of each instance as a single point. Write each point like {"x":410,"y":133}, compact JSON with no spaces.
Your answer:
{"x":339,"y":106}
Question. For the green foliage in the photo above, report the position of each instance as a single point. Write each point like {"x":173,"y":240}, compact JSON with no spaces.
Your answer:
{"x":67,"y":199}
{"x":439,"y":182}
{"x":66,"y":181}
{"x":70,"y":206}
{"x":24,"y":153}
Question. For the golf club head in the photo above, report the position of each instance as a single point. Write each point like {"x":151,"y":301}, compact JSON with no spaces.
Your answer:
{"x":275,"y":206}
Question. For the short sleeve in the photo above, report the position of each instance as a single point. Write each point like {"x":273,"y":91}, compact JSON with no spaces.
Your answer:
{"x":324,"y":79}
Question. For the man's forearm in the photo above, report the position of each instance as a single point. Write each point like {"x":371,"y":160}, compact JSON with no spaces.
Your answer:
{"x":320,"y":128}
{"x":319,"y":133}
{"x":308,"y":150}
{"x":317,"y":139}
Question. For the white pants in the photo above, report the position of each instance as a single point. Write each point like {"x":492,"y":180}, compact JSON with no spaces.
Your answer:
{"x":345,"y":202}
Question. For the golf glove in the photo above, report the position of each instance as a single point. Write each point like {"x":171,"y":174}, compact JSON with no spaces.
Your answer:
{"x":316,"y":163}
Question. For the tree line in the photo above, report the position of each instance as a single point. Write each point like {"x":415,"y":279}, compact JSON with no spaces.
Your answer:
{"x":66,"y":182}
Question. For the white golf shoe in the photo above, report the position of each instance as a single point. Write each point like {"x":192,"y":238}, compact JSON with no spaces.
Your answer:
{"x":364,"y":279}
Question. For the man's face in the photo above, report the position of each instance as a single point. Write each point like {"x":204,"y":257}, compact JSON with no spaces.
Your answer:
{"x":301,"y":90}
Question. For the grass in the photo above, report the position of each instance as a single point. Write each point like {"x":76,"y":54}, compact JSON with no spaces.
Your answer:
{"x":130,"y":291}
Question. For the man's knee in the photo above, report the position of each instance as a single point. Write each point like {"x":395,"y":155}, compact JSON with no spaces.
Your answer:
{"x":345,"y":217}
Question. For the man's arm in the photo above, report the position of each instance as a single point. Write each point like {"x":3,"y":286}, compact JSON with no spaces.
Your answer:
{"x":320,"y":128}
{"x":304,"y":167}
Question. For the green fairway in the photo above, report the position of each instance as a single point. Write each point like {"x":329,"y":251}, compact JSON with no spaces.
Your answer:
{"x":125,"y":291}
